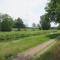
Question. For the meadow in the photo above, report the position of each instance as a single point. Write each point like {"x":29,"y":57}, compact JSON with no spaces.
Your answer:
{"x":12,"y":43}
{"x":8,"y":36}
{"x":52,"y":54}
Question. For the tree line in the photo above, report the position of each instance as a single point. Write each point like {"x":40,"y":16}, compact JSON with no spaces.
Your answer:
{"x":7,"y":23}
{"x":52,"y":14}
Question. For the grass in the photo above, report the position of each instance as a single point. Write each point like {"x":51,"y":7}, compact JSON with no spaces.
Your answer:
{"x":12,"y":48}
{"x":8,"y":36}
{"x":17,"y":42}
{"x":52,"y":54}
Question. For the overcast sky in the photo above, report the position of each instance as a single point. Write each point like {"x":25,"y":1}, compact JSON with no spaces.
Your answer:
{"x":29,"y":10}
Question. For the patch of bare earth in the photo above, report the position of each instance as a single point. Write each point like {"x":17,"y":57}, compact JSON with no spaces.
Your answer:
{"x":33,"y":51}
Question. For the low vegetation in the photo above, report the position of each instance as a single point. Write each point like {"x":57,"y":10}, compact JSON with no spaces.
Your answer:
{"x":12,"y":48}
{"x":52,"y":54}
{"x":8,"y":36}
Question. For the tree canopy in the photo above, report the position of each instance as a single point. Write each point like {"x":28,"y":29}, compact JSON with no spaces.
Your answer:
{"x":45,"y":23}
{"x":53,"y":10}
{"x":6,"y":23}
{"x":52,"y":15}
{"x":19,"y":23}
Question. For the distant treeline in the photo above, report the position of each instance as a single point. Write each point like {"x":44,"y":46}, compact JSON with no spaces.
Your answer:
{"x":52,"y":15}
{"x":7,"y":23}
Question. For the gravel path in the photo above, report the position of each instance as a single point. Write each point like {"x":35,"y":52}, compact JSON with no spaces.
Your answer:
{"x":33,"y":51}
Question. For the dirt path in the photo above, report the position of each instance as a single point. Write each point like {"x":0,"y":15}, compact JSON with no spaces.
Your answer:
{"x":33,"y":51}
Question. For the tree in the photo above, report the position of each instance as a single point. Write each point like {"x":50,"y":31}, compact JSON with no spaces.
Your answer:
{"x":53,"y":10}
{"x":39,"y":26}
{"x":6,"y":22}
{"x":19,"y":24}
{"x":34,"y":26}
{"x":0,"y":25}
{"x":0,"y":20}
{"x":45,"y":23}
{"x":58,"y":27}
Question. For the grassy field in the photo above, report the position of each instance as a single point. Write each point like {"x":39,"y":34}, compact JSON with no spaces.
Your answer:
{"x":8,"y":36}
{"x":29,"y":39}
{"x":52,"y":54}
{"x":9,"y":49}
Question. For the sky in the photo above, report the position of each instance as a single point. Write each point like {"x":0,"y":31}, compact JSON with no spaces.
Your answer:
{"x":29,"y":10}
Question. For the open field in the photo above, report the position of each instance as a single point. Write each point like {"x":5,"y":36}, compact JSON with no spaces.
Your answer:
{"x":8,"y":36}
{"x":10,"y":48}
{"x":32,"y":52}
{"x":52,"y":54}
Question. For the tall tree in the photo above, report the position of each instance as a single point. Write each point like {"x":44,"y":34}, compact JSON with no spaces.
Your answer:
{"x":34,"y":26}
{"x":39,"y":26}
{"x":53,"y":10}
{"x":1,"y":18}
{"x":19,"y":23}
{"x":45,"y":23}
{"x":6,"y":23}
{"x":0,"y":25}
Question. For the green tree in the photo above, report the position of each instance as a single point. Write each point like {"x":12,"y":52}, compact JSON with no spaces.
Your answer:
{"x":0,"y":25}
{"x":45,"y":23}
{"x":53,"y":10}
{"x":6,"y":23}
{"x":19,"y":24}
{"x":39,"y":26}
{"x":34,"y":26}
{"x":0,"y":20}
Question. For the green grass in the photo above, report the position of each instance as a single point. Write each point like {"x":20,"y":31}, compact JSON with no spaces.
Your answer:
{"x":8,"y":36}
{"x":12,"y":48}
{"x":52,"y":54}
{"x":20,"y":41}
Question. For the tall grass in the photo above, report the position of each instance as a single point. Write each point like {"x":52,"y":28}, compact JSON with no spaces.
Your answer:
{"x":8,"y":36}
{"x":16,"y":43}
{"x":12,"y":48}
{"x":52,"y":54}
